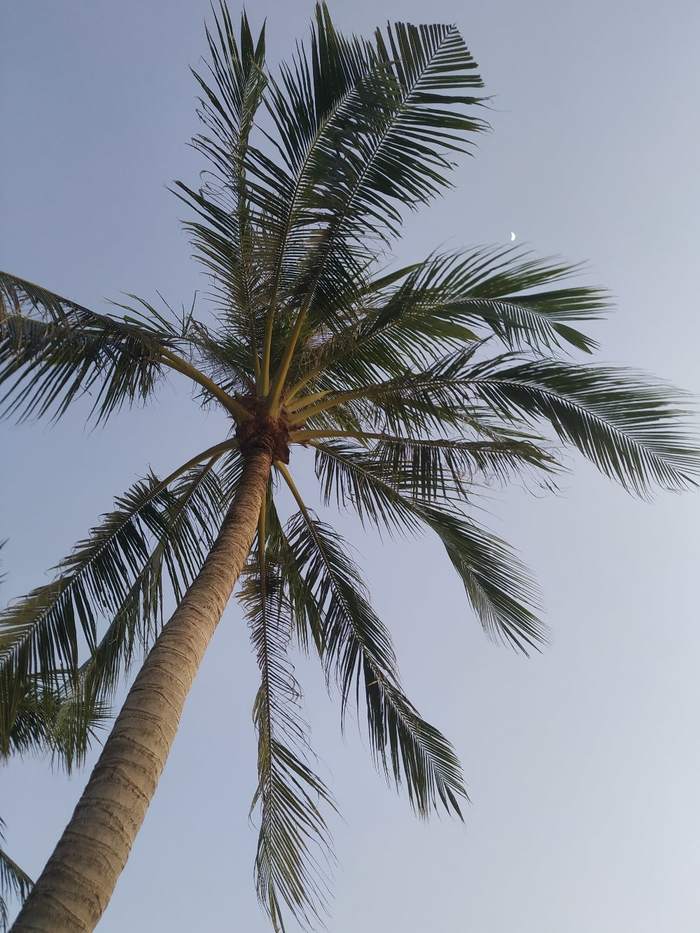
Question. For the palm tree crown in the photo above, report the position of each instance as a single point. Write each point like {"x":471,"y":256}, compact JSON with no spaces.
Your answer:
{"x":413,"y":386}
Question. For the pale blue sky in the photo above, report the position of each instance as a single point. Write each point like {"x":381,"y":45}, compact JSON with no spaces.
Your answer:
{"x":582,"y":764}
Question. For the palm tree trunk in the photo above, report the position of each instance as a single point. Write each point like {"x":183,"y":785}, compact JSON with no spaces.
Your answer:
{"x":75,"y":887}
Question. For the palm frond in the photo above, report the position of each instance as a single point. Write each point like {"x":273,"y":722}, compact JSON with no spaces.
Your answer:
{"x":293,"y":845}
{"x":304,"y":611}
{"x":158,"y":528}
{"x":14,"y":882}
{"x":444,"y":303}
{"x":54,"y":351}
{"x":188,"y":529}
{"x":43,"y":722}
{"x":358,"y":653}
{"x":227,"y":237}
{"x":440,"y":468}
{"x":497,"y":584}
{"x":502,"y":289}
{"x":633,"y":428}
{"x":311,"y":98}
{"x":389,"y":147}
{"x":394,"y":332}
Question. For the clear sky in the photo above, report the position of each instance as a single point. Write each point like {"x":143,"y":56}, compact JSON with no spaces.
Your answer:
{"x":582,"y":763}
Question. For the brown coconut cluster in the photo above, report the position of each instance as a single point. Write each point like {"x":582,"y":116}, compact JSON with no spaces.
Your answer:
{"x":261,"y":432}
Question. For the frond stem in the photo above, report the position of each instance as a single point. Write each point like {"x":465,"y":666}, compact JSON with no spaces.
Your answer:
{"x":309,"y":411}
{"x":303,"y":436}
{"x":211,"y":453}
{"x":283,"y":370}
{"x":267,"y":353}
{"x":306,"y":400}
{"x":187,"y":369}
{"x":287,"y":476}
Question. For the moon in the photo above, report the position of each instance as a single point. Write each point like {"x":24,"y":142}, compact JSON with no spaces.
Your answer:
{"x":512,"y":236}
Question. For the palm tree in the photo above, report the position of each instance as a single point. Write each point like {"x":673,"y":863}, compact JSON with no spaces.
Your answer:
{"x":412,"y":386}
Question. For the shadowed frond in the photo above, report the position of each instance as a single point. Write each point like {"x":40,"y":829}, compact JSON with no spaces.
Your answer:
{"x":293,"y":852}
{"x":358,"y":653}
{"x":630,"y":426}
{"x":116,"y":574}
{"x":497,"y":584}
{"x":54,"y":351}
{"x":227,"y":237}
{"x":14,"y":882}
{"x":386,"y":140}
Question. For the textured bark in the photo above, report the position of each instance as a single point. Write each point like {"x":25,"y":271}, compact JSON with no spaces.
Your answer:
{"x":75,"y":887}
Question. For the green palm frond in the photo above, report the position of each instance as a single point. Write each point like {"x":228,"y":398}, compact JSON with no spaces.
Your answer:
{"x":445,"y":302}
{"x":14,"y":882}
{"x":364,"y":130}
{"x":632,"y":427}
{"x":54,"y":351}
{"x":307,"y":103}
{"x":293,"y":845}
{"x":225,"y":359}
{"x":358,"y":653}
{"x":31,"y":719}
{"x":157,"y":528}
{"x":432,"y":468}
{"x":304,"y":612}
{"x":226,"y":237}
{"x":435,"y":466}
{"x":323,"y":362}
{"x":628,"y":424}
{"x":497,"y":584}
{"x":502,"y":289}
{"x":48,"y":721}
{"x":38,"y":719}
{"x":188,"y":527}
{"x":388,"y":147}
